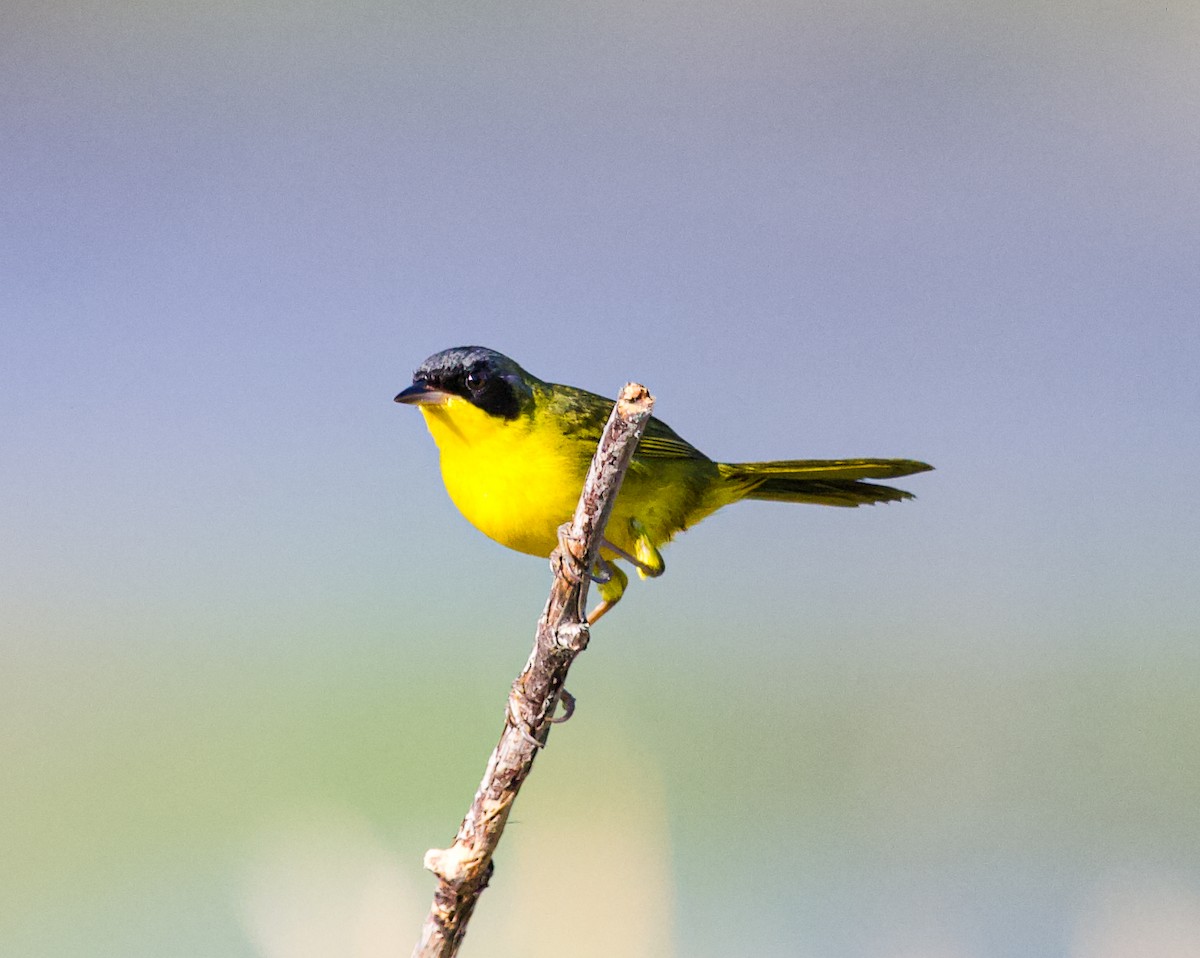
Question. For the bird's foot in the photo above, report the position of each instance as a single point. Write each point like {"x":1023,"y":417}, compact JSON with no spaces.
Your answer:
{"x":568,"y":704}
{"x":569,"y":559}
{"x":523,"y":728}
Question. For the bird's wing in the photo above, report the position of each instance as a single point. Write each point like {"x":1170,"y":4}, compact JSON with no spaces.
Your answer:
{"x":660,"y":441}
{"x":583,"y":415}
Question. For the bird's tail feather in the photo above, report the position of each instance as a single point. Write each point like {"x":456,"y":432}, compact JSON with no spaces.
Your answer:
{"x":828,"y":482}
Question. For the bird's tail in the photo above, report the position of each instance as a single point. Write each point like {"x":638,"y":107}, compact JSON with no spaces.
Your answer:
{"x":827,"y":482}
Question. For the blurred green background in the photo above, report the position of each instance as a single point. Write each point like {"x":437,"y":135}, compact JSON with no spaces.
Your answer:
{"x":252,"y":659}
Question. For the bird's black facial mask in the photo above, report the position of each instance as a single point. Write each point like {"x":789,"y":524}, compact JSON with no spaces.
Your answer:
{"x":483,"y":377}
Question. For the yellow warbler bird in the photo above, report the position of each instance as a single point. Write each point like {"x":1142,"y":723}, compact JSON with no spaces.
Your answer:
{"x":515,"y":451}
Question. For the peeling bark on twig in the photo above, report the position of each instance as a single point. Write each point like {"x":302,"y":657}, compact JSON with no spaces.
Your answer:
{"x":464,"y":869}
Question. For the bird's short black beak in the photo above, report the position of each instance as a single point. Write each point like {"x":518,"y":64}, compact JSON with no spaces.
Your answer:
{"x":422,"y":394}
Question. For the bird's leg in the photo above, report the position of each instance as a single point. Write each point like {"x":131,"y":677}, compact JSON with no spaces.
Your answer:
{"x":602,"y":572}
{"x":611,"y":589}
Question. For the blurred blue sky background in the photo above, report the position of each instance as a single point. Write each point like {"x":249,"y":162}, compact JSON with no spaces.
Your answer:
{"x":247,"y":639}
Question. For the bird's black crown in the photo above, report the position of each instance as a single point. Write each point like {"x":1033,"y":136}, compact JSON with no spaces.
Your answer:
{"x":482,"y":376}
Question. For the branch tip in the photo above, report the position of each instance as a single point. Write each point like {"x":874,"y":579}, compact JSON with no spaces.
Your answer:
{"x":633,"y":399}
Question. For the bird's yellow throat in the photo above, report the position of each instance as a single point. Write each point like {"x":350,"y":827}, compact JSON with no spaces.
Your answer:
{"x":509,"y":478}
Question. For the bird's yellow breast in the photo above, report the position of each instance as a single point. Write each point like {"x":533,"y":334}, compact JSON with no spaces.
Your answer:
{"x":515,"y":480}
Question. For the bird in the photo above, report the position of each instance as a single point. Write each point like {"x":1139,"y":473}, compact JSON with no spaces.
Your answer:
{"x":515,"y":450}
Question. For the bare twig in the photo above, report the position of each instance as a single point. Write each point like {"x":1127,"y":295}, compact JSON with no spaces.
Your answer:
{"x":463,"y":869}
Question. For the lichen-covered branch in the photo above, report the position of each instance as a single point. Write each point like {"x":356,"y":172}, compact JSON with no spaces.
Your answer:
{"x":464,"y":869}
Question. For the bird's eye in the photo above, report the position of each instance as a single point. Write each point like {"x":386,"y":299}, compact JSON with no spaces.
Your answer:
{"x":474,"y":381}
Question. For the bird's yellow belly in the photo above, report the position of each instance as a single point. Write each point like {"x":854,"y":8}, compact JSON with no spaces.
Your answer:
{"x":513,"y":482}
